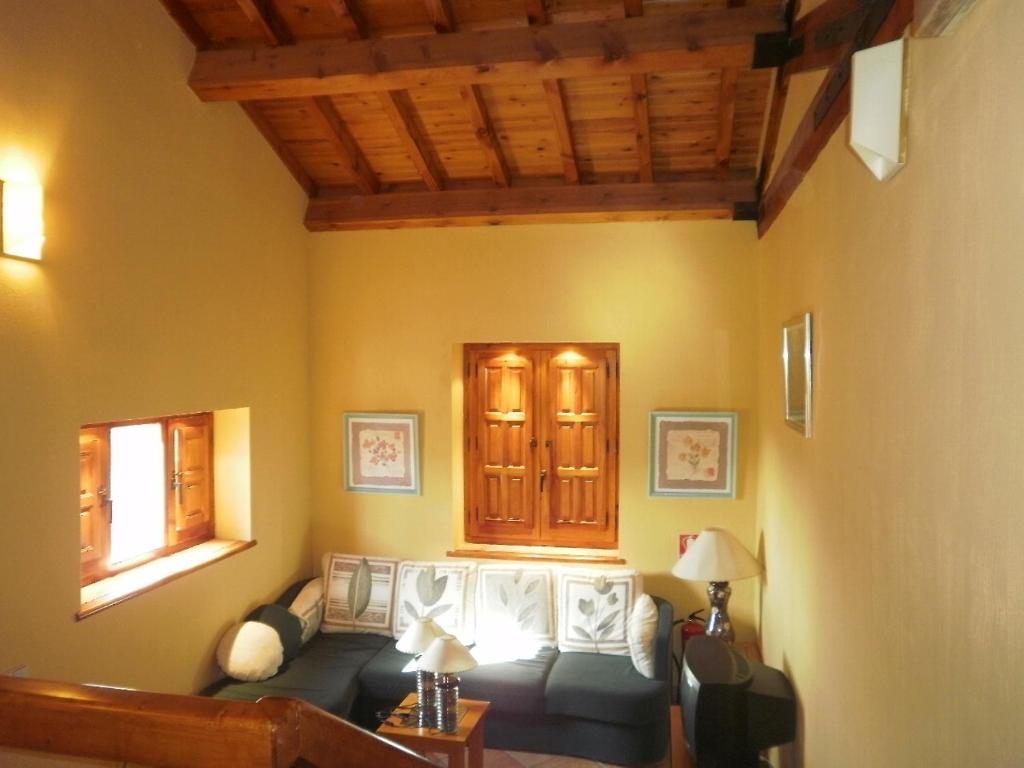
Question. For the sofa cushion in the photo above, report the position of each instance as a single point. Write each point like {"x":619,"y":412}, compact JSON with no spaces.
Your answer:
{"x":250,"y":651}
{"x":360,"y":592}
{"x":512,"y":686}
{"x":515,"y":601}
{"x":441,"y":591}
{"x":593,"y":607}
{"x":308,"y":606}
{"x":605,"y":688}
{"x":325,"y":673}
{"x":383,"y":678}
{"x":287,"y":625}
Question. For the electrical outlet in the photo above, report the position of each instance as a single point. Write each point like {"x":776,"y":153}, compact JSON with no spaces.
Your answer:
{"x":685,"y":539}
{"x":19,"y":671}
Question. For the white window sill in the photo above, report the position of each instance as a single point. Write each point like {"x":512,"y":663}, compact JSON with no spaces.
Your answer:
{"x":105,"y":593}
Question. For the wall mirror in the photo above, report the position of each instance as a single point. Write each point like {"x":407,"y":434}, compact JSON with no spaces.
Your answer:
{"x":796,"y":366}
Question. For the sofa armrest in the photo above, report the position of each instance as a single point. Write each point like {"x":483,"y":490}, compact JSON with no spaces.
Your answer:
{"x":663,"y":641}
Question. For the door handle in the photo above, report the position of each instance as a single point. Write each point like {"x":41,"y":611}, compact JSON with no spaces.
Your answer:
{"x":543,"y":477}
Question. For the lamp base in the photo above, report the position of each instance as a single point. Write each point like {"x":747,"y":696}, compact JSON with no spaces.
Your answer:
{"x":719,"y":624}
{"x":446,"y":696}
{"x":425,"y":698}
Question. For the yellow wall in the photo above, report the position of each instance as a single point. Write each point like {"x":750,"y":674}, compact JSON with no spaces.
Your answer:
{"x":174,"y":280}
{"x":892,"y":537}
{"x":391,"y":309}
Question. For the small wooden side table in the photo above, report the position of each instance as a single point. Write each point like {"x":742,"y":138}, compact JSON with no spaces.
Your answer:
{"x":470,"y":735}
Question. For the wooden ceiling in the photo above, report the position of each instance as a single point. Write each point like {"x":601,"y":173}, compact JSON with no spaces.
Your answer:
{"x":393,"y":113}
{"x":399,"y":113}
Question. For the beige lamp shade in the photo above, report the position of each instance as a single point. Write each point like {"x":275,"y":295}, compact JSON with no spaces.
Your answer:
{"x":446,"y":655}
{"x":418,"y":637}
{"x":716,"y":555}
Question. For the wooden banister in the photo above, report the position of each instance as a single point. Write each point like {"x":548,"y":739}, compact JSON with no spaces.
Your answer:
{"x":160,"y":729}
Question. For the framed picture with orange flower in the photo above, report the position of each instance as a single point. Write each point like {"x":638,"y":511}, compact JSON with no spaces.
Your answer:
{"x":382,"y":452}
{"x":693,"y":454}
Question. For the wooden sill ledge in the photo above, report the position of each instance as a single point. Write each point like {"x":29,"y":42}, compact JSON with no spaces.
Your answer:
{"x":540,"y":557}
{"x":108,"y":592}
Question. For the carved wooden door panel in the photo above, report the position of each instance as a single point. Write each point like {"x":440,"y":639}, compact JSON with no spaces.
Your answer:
{"x":501,"y":497}
{"x":191,"y":477}
{"x":581,"y":440}
{"x":93,"y":460}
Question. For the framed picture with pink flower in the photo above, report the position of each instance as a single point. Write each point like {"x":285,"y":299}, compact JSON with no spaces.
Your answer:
{"x":693,"y":454}
{"x":382,"y":452}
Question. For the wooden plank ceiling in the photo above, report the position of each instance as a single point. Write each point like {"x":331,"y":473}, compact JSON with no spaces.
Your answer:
{"x":394,"y":113}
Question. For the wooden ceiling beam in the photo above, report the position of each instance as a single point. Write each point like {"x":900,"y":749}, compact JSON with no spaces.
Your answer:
{"x":642,"y":118}
{"x":554,"y":93}
{"x":263,"y":15}
{"x":485,"y":133}
{"x":283,"y":151}
{"x":441,"y":15}
{"x":819,"y":38}
{"x":641,"y":111}
{"x":726,"y":116}
{"x":187,"y":22}
{"x":697,"y":40}
{"x":400,"y":112}
{"x":351,"y":17}
{"x":536,"y":13}
{"x":885,"y":21}
{"x":595,"y":202}
{"x":563,"y":129}
{"x":333,"y":128}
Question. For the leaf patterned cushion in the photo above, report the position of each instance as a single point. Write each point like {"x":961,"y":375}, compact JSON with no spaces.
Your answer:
{"x":441,"y":591}
{"x":360,"y":594}
{"x":516,"y":602}
{"x":594,"y":607}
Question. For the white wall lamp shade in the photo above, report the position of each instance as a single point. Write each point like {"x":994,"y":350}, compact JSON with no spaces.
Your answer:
{"x":878,"y":108}
{"x":418,"y":637}
{"x":716,"y":555}
{"x":446,"y":655}
{"x":21,"y":219}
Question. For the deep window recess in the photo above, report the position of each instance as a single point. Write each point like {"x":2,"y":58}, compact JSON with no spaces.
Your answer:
{"x":541,"y":453}
{"x":146,"y":491}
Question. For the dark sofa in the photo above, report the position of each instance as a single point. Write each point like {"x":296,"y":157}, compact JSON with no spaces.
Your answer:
{"x":588,"y":705}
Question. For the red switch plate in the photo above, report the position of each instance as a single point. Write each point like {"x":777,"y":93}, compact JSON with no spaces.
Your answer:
{"x":685,"y":539}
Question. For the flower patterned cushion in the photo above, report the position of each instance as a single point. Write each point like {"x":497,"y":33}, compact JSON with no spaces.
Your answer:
{"x":360,"y":594}
{"x":515,"y":605}
{"x":441,"y":591}
{"x":594,"y":608}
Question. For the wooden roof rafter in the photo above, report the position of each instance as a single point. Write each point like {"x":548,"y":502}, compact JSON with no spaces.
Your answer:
{"x":641,"y":111}
{"x":261,"y":13}
{"x":694,"y":41}
{"x":443,"y":18}
{"x":701,"y":197}
{"x":831,"y":34}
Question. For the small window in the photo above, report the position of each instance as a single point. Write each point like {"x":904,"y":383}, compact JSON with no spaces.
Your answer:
{"x":541,"y":454}
{"x":146,"y":491}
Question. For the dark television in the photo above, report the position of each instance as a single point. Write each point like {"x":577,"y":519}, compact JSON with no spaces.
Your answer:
{"x":732,"y":707}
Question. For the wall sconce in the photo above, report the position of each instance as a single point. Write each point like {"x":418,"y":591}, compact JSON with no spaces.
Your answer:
{"x":878,"y":108}
{"x":21,"y":219}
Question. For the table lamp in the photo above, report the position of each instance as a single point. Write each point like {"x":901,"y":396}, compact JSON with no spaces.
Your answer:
{"x":446,"y":657}
{"x":416,"y":639}
{"x":718,"y":557}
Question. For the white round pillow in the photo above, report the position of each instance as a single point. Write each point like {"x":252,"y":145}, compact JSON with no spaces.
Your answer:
{"x":250,"y":651}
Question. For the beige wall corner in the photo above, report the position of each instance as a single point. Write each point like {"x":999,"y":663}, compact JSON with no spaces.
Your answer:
{"x":891,"y":537}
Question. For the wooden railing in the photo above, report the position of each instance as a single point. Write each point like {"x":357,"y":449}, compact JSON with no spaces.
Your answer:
{"x":159,"y":729}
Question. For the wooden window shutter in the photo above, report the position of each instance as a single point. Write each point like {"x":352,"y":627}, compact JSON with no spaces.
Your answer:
{"x":189,"y":456}
{"x":582,"y":410}
{"x":541,"y":425}
{"x":501,"y":462}
{"x":93,"y":510}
